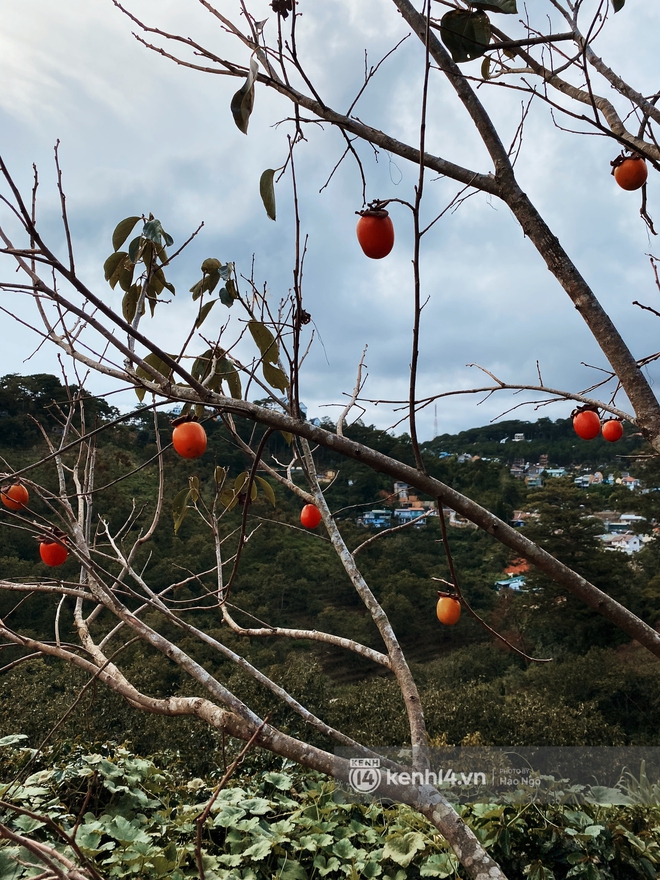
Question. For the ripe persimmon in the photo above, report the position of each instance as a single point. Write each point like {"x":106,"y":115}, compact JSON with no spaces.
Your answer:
{"x":189,"y":438}
{"x":375,"y":233}
{"x":15,"y":497}
{"x":586,"y":423}
{"x":52,"y":552}
{"x":448,"y":610}
{"x":630,"y":172}
{"x":612,"y":430}
{"x":310,"y":516}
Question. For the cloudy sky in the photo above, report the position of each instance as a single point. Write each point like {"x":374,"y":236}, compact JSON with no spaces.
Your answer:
{"x":139,"y":134}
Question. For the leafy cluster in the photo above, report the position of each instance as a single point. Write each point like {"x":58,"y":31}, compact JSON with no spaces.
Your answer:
{"x":128,"y":816}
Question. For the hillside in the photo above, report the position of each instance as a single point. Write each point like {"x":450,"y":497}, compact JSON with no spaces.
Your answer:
{"x":291,"y":577}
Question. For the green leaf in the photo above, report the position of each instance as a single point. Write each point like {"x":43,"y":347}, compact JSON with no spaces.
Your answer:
{"x":202,"y":365}
{"x":275,"y":377}
{"x":267,"y":192}
{"x":465,"y":34}
{"x":113,"y":267}
{"x":618,"y":4}
{"x":507,"y":6}
{"x":485,"y":68}
{"x":134,"y":249}
{"x":402,"y":849}
{"x":241,"y":481}
{"x":288,"y":438}
{"x":27,"y":824}
{"x":291,"y":870}
{"x":265,"y":341}
{"x":228,"y":498}
{"x":228,"y":294}
{"x":268,"y":489}
{"x":259,"y":850}
{"x":153,"y":231}
{"x":443,"y":865}
{"x":243,"y":101}
{"x":203,"y":313}
{"x":130,"y":301}
{"x":219,"y":475}
{"x":126,"y":275}
{"x":154,"y":361}
{"x":180,"y":508}
{"x":279,"y":780}
{"x":208,"y":282}
{"x":123,"y":230}
{"x":226,"y":371}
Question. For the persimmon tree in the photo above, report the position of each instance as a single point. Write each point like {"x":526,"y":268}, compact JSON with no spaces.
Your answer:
{"x":210,"y":376}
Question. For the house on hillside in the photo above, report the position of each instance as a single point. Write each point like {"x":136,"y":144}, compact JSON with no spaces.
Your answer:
{"x":516,"y":583}
{"x":376,"y":519}
{"x":410,"y":514}
{"x":625,"y":543}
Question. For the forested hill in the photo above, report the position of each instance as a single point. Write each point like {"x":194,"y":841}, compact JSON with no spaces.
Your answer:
{"x":556,"y":439}
{"x":289,"y":576}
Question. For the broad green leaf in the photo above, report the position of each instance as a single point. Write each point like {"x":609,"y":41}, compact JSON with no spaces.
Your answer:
{"x":228,"y":815}
{"x":444,"y":865}
{"x":268,"y":489}
{"x":274,"y":376}
{"x":153,"y":231}
{"x":126,"y":275}
{"x":227,"y":372}
{"x":403,"y":848}
{"x":27,"y":824}
{"x":465,"y":34}
{"x":202,"y":365}
{"x":265,"y":341}
{"x":180,"y":508}
{"x":241,"y":481}
{"x":288,"y":438}
{"x":113,"y":266}
{"x":123,"y":230}
{"x":324,"y":866}
{"x":291,"y":870}
{"x":228,"y":294}
{"x":208,"y":282}
{"x":618,"y":4}
{"x":259,"y":850}
{"x":344,"y":849}
{"x":228,"y":498}
{"x":485,"y":68}
{"x":203,"y":313}
{"x":154,"y":361}
{"x":219,"y":475}
{"x":129,"y":303}
{"x":134,"y":249}
{"x":127,"y":832}
{"x":243,"y":101}
{"x":267,"y":192}
{"x":507,"y":6}
{"x":279,"y":780}
{"x":200,"y":411}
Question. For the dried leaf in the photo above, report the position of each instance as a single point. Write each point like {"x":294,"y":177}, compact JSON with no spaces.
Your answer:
{"x":267,"y":192}
{"x":243,"y":101}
